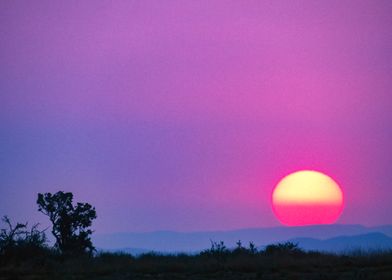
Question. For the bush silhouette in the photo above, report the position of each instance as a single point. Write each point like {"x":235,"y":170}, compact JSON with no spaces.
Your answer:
{"x":10,"y":236}
{"x":241,"y":250}
{"x":70,"y":224}
{"x":218,"y":249}
{"x":16,"y":241}
{"x":287,"y":248}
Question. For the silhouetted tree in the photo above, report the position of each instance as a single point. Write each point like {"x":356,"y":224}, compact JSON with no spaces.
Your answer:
{"x":70,"y":224}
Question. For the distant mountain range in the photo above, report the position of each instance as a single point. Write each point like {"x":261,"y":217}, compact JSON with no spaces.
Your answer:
{"x":340,"y":244}
{"x":321,"y":237}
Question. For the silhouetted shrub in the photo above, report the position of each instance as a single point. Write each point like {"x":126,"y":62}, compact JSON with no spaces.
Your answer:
{"x":240,"y":250}
{"x":287,"y":248}
{"x":252,"y":248}
{"x":218,"y":249}
{"x":10,"y":235}
{"x":16,"y":241}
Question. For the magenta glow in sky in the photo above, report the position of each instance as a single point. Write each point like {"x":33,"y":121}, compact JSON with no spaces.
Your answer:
{"x":185,"y":114}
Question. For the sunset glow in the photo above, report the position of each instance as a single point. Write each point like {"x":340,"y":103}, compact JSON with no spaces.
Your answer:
{"x":184,"y":115}
{"x":307,"y":197}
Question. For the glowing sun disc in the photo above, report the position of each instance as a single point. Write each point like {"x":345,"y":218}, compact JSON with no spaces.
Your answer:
{"x":307,"y":197}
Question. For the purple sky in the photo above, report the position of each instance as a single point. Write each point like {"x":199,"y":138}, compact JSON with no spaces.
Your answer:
{"x":183,"y":115}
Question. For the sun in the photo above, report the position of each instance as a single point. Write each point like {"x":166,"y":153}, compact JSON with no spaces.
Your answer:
{"x":307,"y":197}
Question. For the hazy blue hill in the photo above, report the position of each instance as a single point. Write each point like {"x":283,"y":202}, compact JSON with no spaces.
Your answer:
{"x":386,"y":229}
{"x":169,"y":241}
{"x":369,"y":241}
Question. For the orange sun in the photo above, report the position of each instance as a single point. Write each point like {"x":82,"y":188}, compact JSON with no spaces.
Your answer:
{"x":307,"y":198}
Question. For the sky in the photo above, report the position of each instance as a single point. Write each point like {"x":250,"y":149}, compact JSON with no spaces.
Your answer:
{"x":184,"y":115}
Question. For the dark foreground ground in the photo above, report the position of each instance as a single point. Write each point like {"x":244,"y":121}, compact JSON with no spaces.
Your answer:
{"x":215,"y":265}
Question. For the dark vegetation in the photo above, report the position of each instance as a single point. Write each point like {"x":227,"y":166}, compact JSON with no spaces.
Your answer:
{"x":25,"y":254}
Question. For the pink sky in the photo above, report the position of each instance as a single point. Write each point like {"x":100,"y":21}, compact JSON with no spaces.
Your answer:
{"x":184,"y":114}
